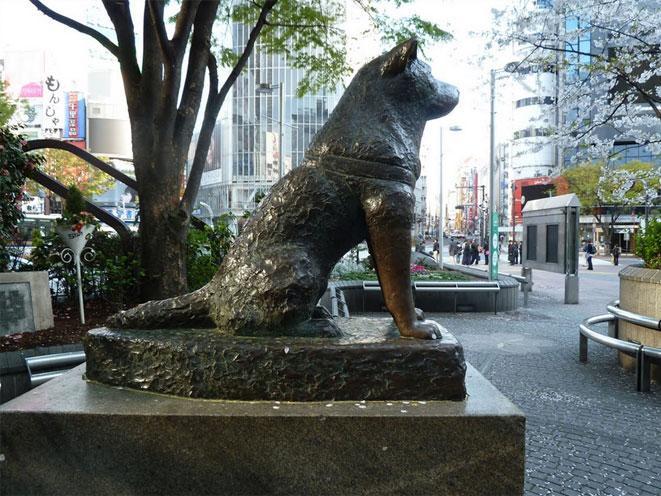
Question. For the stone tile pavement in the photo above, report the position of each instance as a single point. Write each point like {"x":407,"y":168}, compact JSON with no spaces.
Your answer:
{"x":588,"y":431}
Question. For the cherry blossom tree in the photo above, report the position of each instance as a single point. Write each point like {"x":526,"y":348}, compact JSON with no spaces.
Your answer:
{"x":606,"y":54}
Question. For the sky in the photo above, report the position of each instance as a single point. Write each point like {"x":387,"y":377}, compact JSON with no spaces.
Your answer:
{"x":457,"y":62}
{"x":453,"y":61}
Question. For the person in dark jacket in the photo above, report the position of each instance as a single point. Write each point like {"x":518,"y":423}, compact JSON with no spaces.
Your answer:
{"x":589,"y":251}
{"x":485,"y":249}
{"x":475,"y":253}
{"x":520,"y":252}
{"x":466,"y":257}
{"x":616,"y":254}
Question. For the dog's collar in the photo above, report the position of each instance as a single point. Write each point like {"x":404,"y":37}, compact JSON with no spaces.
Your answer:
{"x":363,"y":168}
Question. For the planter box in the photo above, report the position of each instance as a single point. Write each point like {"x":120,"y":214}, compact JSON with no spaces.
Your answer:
{"x":640,"y":292}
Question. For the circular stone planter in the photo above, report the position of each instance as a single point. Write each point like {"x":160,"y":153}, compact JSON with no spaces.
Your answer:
{"x":640,"y":292}
{"x":360,"y":301}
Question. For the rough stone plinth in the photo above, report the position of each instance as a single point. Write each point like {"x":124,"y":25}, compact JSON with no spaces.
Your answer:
{"x":72,"y":437}
{"x":26,"y":303}
{"x":370,"y":362}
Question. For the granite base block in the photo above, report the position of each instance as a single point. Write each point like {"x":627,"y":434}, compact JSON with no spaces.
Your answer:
{"x":72,"y":437}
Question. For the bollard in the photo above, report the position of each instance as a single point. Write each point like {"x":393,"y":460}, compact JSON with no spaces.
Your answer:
{"x":526,"y":287}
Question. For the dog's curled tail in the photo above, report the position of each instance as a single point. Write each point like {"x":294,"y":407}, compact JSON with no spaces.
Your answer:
{"x":189,"y":310}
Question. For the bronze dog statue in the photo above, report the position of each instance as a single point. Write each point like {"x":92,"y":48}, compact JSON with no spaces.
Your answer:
{"x":356,"y":182}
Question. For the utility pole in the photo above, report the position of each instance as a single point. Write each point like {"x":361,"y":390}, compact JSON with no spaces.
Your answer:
{"x":493,"y":214}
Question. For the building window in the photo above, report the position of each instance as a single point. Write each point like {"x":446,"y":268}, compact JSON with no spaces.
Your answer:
{"x":552,"y":243}
{"x":531,"y":243}
{"x":626,"y":151}
{"x":530,"y":132}
{"x":535,"y":100}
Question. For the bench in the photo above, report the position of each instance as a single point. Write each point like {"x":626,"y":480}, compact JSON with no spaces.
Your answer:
{"x":453,"y":287}
{"x":47,"y":367}
{"x":644,"y":355}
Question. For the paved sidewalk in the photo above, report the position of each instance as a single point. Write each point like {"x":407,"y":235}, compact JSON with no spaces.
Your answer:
{"x":588,"y":431}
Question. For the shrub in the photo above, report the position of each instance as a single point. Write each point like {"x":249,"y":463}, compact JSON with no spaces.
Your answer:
{"x":15,"y":164}
{"x":648,"y":244}
{"x":113,"y":275}
{"x":74,"y":213}
{"x":206,"y":249}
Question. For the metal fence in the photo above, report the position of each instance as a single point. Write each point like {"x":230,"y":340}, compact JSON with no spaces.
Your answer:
{"x":643,"y":354}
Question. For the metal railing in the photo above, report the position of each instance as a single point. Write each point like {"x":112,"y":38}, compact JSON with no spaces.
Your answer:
{"x":339,"y":307}
{"x":456,"y":287}
{"x":453,"y":287}
{"x":643,"y":354}
{"x":51,"y":366}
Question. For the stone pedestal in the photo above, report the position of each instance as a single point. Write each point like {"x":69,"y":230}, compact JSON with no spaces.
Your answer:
{"x":73,"y":437}
{"x":370,"y":362}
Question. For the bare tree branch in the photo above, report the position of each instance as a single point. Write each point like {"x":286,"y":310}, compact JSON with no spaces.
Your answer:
{"x":152,"y":72}
{"x":212,"y":64}
{"x":191,"y":97}
{"x":109,"y":45}
{"x":184,"y":25}
{"x":213,"y":107}
{"x":247,"y":51}
{"x":156,"y":15}
{"x":120,"y":15}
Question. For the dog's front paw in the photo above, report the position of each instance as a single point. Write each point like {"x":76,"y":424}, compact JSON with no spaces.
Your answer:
{"x":422,"y":330}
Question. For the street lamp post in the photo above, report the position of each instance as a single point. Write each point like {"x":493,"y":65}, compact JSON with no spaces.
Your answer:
{"x":268,"y":88}
{"x":440,"y":195}
{"x":493,"y":214}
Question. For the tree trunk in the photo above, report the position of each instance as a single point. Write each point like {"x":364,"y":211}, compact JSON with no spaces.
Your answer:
{"x":163,"y":224}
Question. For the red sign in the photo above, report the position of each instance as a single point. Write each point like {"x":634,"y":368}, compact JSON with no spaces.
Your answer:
{"x":525,"y":190}
{"x":72,"y":114}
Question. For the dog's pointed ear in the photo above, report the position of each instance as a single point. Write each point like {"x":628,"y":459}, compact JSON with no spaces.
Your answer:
{"x":400,"y":57}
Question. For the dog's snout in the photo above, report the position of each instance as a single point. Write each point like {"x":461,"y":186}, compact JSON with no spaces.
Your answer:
{"x":446,"y":99}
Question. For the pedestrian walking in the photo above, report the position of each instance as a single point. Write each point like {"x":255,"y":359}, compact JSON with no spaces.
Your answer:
{"x":486,"y":253}
{"x":616,"y":254}
{"x":466,"y":257}
{"x":521,"y":252}
{"x":515,"y":252}
{"x":510,"y":252}
{"x":475,"y":253}
{"x":589,"y":252}
{"x":436,"y":250}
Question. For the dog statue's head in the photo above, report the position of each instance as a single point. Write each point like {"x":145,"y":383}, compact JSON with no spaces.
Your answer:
{"x":382,"y":114}
{"x":412,"y":83}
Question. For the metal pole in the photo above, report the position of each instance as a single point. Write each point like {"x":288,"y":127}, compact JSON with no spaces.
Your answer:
{"x":493,"y":214}
{"x":281,"y":156}
{"x":80,"y":289}
{"x":440,"y":200}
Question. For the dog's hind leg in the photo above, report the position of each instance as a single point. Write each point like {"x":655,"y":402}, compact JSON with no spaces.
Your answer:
{"x":389,"y":216}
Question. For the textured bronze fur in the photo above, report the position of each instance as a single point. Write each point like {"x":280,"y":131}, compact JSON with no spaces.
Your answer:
{"x":356,"y":182}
